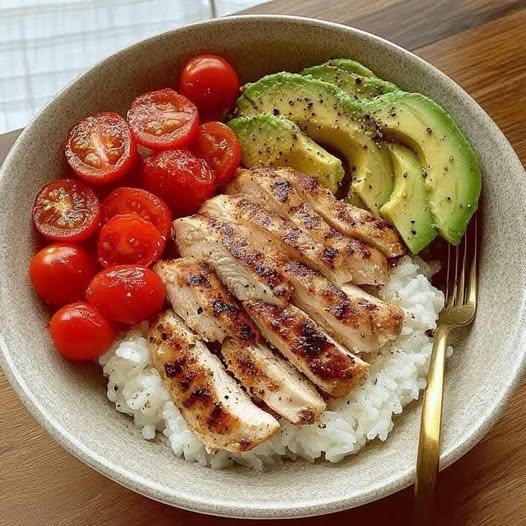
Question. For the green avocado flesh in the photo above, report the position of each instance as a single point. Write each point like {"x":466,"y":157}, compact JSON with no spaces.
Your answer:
{"x":332,"y":118}
{"x":275,"y":141}
{"x":450,"y":166}
{"x":407,"y":208}
{"x":354,"y":85}
{"x":352,"y":66}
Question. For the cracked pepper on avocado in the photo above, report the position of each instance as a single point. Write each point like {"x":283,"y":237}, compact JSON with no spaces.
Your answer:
{"x":238,"y":304}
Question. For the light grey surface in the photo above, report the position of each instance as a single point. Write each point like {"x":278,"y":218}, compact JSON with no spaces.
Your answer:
{"x":69,"y":400}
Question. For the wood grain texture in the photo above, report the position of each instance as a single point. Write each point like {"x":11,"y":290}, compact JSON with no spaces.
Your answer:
{"x":409,"y":23}
{"x":481,"y":45}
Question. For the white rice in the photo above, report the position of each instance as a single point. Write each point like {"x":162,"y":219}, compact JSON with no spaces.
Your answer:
{"x":395,"y":379}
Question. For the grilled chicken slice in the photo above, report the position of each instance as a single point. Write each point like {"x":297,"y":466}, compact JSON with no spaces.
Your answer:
{"x":356,"y":319}
{"x":347,"y":219}
{"x":322,"y":360}
{"x":273,"y":380}
{"x":247,"y":272}
{"x":209,"y":309}
{"x":367,"y":264}
{"x":215,"y":408}
{"x":265,"y":228}
{"x":203,"y":302}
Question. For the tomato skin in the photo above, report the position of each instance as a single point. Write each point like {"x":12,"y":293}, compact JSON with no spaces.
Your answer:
{"x":132,"y":180}
{"x":66,"y":210}
{"x":127,"y":293}
{"x":180,"y":178}
{"x":80,"y":332}
{"x":163,"y":120}
{"x":101,"y":148}
{"x":219,"y":146}
{"x":129,"y":240}
{"x":60,"y":273}
{"x":142,"y":203}
{"x":211,"y":83}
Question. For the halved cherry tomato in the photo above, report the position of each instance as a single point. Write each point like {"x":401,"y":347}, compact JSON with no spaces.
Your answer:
{"x":128,"y":239}
{"x":66,"y":210}
{"x":60,"y":273}
{"x":183,"y":180}
{"x":132,"y":179}
{"x":127,"y":293}
{"x":101,"y":148}
{"x":142,"y":203}
{"x":219,"y":146}
{"x":211,"y":83}
{"x":164,"y":119}
{"x":80,"y":332}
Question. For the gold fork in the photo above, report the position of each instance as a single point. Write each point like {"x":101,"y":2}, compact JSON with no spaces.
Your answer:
{"x":459,"y":311}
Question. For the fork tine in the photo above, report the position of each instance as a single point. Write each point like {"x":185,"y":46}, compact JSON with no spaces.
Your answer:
{"x":448,"y":271}
{"x":471,"y":295}
{"x":454,"y":283}
{"x":459,"y":300}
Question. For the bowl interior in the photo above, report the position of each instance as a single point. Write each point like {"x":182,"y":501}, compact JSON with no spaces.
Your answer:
{"x":70,"y":402}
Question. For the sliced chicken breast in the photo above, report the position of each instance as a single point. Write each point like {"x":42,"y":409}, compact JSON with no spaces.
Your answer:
{"x":367,"y":264}
{"x":215,"y":408}
{"x":272,"y":379}
{"x":303,"y":342}
{"x":247,"y":272}
{"x":212,"y":312}
{"x":347,"y":219}
{"x":266,"y":228}
{"x":203,"y":302}
{"x":356,"y":319}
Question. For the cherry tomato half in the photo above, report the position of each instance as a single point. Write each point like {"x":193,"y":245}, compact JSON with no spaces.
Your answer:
{"x":80,"y":332}
{"x":132,"y":180}
{"x":219,"y":146}
{"x":164,"y":119}
{"x":211,"y":83}
{"x":60,"y":273}
{"x":127,"y":293}
{"x":141,"y":203}
{"x":66,"y":210}
{"x":183,"y":180}
{"x":101,"y":149}
{"x":129,"y":240}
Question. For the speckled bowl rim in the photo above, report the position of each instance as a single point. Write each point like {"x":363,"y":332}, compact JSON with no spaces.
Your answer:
{"x":216,"y":507}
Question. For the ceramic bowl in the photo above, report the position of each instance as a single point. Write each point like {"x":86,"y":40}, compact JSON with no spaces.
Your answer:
{"x":69,"y":401}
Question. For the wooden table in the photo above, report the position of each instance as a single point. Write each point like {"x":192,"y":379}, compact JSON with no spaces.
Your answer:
{"x":482,"y":46}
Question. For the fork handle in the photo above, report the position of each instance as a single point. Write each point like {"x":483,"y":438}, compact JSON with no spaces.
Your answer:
{"x":429,"y":441}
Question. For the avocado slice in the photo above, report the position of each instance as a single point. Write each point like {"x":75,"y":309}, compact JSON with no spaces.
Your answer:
{"x":276,"y":141}
{"x":332,"y":118}
{"x":352,"y":66}
{"x":354,"y":85}
{"x":407,"y":208}
{"x":450,"y":166}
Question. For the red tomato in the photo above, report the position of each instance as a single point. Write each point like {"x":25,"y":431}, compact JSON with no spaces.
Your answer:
{"x":141,"y":203}
{"x":127,"y":293}
{"x":164,"y":119}
{"x":80,"y":332}
{"x":128,"y":239}
{"x":60,"y":273}
{"x":180,"y":178}
{"x":132,"y":179}
{"x":66,"y":210}
{"x":211,"y":83}
{"x":101,"y":148}
{"x":219,"y":146}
